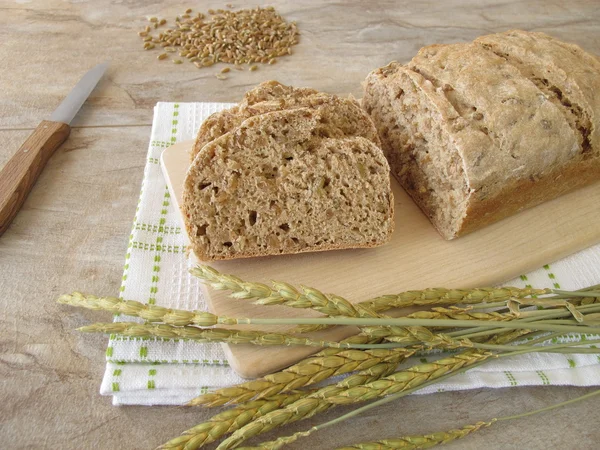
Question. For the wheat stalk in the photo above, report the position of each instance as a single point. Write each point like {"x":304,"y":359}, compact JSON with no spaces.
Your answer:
{"x":424,"y":441}
{"x":144,"y":330}
{"x":414,"y":335}
{"x":402,"y":443}
{"x":280,"y":294}
{"x":333,"y":305}
{"x":409,"y":442}
{"x":318,"y":401}
{"x":309,"y":371}
{"x":346,"y":392}
{"x":366,"y":375}
{"x":151,"y":313}
{"x":433,"y":296}
{"x":229,"y":421}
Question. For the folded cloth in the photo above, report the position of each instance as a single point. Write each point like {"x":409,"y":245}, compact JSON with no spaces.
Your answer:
{"x":171,"y":372}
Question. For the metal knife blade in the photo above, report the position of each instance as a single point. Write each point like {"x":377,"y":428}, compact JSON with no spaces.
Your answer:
{"x":19,"y":174}
{"x":78,"y":95}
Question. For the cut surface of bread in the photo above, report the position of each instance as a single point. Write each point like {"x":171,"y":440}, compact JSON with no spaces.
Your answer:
{"x":287,"y":182}
{"x":271,"y":96}
{"x":474,"y":135}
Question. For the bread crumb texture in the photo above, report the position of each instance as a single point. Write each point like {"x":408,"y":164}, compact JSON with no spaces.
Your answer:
{"x":289,"y":181}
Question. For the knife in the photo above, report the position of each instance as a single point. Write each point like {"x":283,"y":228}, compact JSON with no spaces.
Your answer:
{"x":21,"y":172}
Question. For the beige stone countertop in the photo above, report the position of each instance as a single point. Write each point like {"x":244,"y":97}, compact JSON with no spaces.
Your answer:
{"x":72,"y":231}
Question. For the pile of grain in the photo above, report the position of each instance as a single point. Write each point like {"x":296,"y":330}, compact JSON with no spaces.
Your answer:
{"x":247,"y":36}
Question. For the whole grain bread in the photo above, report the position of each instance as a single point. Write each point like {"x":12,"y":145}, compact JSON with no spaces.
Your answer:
{"x":477,"y":132}
{"x":288,"y":182}
{"x":272,"y":96}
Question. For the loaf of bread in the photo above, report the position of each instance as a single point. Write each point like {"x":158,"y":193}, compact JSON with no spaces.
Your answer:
{"x":272,"y":96}
{"x":298,"y":180}
{"x":477,"y":132}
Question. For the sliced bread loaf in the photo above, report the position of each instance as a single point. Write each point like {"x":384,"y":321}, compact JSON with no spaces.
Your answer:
{"x":273,"y":96}
{"x":287,"y":182}
{"x":473,"y":137}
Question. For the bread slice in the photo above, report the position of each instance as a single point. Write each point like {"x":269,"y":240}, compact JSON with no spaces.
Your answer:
{"x":287,"y":182}
{"x":273,"y":96}
{"x":472,"y":138}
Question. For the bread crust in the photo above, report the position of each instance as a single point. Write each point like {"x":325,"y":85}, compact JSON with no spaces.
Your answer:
{"x":519,"y":146}
{"x":268,"y":96}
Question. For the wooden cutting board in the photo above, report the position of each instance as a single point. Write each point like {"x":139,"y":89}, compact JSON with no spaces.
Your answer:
{"x":416,"y":258}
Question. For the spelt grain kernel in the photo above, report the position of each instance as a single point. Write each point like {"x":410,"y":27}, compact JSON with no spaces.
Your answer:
{"x":221,"y":77}
{"x":153,"y":19}
{"x":163,"y":21}
{"x":147,"y":38}
{"x":177,"y":61}
{"x":142,"y":33}
{"x":253,"y":68}
{"x":161,"y":56}
{"x":189,"y":10}
{"x":225,"y":69}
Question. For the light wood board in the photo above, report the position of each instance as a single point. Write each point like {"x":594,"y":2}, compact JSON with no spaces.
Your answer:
{"x":416,"y":258}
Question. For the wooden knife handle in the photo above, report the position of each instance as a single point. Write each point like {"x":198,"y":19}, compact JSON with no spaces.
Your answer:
{"x":21,"y":172}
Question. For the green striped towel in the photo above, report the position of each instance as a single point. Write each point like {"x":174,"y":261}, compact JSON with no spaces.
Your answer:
{"x":156,"y":371}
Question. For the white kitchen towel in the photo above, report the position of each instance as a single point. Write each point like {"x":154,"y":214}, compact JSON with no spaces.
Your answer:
{"x":171,"y":372}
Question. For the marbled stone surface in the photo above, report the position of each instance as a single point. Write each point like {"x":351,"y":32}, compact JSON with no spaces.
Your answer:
{"x":72,"y":231}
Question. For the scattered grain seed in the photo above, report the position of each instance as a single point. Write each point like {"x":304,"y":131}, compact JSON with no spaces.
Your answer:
{"x":189,"y":10}
{"x":221,"y":77}
{"x":229,"y":5}
{"x":198,"y":65}
{"x":252,"y":68}
{"x":162,"y":21}
{"x":142,"y":33}
{"x":147,"y":29}
{"x":147,"y":38}
{"x":153,"y":19}
{"x":177,"y":61}
{"x":169,"y":49}
{"x":211,"y":11}
{"x":240,"y":37}
{"x":148,"y":46}
{"x":162,"y":56}
{"x":225,"y":69}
